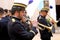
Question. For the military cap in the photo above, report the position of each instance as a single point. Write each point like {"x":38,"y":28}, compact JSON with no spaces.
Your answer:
{"x":19,"y":5}
{"x":45,"y":9}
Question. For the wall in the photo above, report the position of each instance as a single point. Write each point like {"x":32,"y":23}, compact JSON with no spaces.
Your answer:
{"x":6,"y":4}
{"x":57,"y":2}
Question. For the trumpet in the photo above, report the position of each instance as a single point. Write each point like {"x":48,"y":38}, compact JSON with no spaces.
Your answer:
{"x":54,"y":22}
{"x":47,"y":27}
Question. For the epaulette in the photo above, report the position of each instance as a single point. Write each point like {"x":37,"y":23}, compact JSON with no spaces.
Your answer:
{"x":13,"y":20}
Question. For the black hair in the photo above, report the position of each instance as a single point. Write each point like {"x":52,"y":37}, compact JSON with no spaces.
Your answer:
{"x":1,"y":10}
{"x":9,"y":10}
{"x":16,"y":8}
{"x":6,"y":10}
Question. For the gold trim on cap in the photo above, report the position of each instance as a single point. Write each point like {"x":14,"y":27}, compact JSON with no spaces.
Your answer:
{"x":20,"y":4}
{"x":45,"y":9}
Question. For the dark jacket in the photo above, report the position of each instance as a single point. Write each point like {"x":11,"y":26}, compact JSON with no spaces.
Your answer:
{"x":3,"y":28}
{"x":17,"y":31}
{"x":44,"y":33}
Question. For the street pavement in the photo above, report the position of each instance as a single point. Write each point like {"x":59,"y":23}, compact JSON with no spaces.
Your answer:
{"x":56,"y":36}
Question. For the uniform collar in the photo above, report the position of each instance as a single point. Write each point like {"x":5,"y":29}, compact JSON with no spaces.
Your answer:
{"x":16,"y":18}
{"x":42,"y":16}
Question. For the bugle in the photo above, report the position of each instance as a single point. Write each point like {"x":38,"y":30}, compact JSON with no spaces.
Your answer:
{"x":47,"y":27}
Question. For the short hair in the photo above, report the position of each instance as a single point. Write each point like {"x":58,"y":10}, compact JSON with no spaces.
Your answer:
{"x":1,"y":10}
{"x":9,"y":10}
{"x":6,"y":10}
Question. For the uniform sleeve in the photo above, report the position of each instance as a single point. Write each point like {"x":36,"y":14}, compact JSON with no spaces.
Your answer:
{"x":19,"y":29}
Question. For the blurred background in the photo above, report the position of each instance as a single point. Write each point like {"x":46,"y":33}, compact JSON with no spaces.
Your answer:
{"x":33,"y":8}
{"x":37,"y":5}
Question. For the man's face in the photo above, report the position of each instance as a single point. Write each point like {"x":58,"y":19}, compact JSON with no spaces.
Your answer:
{"x":22,"y":13}
{"x":44,"y":13}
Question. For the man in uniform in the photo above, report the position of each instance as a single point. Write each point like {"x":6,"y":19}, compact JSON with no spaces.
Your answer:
{"x":45,"y":33}
{"x":3,"y":25}
{"x":16,"y":29}
{"x":1,"y":14}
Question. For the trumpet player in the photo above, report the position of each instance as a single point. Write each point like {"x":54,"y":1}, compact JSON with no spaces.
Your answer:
{"x":45,"y":34}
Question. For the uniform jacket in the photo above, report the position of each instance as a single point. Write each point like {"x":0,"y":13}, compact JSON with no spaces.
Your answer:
{"x":17,"y":31}
{"x":44,"y":33}
{"x":3,"y":28}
